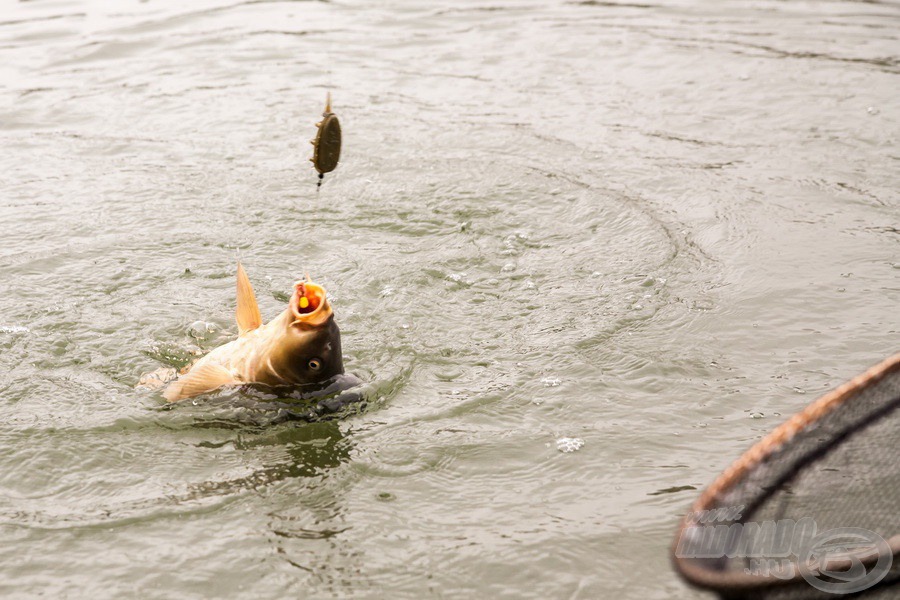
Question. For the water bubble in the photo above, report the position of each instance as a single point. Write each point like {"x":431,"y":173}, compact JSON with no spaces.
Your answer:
{"x":508,"y":268}
{"x":551,"y":381}
{"x":386,"y":291}
{"x":872,"y":110}
{"x":702,"y":304}
{"x":456,"y":277}
{"x":569,"y":444}
{"x":13,"y":329}
{"x":201,"y":329}
{"x":529,"y":285}
{"x":756,"y":415}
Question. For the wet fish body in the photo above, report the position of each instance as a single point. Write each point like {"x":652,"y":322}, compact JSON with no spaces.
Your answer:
{"x":300,"y":346}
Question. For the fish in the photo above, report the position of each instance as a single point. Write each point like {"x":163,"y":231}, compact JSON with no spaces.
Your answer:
{"x":300,"y":346}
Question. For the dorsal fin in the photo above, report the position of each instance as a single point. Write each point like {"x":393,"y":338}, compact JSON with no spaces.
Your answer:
{"x":248,"y":317}
{"x":204,"y":378}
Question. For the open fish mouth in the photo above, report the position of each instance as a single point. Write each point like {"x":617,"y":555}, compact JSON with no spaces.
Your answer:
{"x":309,"y":303}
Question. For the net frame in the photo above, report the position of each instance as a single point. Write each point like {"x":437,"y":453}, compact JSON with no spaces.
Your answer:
{"x":734,"y":582}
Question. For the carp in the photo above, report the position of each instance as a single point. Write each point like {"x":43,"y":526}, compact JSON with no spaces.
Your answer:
{"x":300,"y":346}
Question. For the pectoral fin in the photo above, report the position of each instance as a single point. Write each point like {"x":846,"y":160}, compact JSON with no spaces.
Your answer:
{"x":248,"y":317}
{"x":199,"y":380}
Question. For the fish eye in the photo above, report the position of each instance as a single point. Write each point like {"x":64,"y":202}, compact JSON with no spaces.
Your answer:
{"x":315,"y":364}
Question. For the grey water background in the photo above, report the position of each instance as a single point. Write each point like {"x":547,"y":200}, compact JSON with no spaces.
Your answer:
{"x":660,"y":227}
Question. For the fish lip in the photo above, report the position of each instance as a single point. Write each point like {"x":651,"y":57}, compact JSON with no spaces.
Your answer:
{"x":308,"y":289}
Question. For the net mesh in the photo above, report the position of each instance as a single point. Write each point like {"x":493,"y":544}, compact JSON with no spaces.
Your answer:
{"x":787,"y":502}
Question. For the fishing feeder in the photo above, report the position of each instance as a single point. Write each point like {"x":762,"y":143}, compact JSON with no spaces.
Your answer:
{"x":327,"y":143}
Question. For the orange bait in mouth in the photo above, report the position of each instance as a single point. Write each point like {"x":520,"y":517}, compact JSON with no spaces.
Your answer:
{"x":307,"y":299}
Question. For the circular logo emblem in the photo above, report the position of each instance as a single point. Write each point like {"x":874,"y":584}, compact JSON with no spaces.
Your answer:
{"x":839,"y":561}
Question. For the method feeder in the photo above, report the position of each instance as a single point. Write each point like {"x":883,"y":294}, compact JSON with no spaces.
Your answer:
{"x":327,"y":144}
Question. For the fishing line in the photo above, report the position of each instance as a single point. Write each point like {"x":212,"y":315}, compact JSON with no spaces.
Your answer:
{"x":327,"y":143}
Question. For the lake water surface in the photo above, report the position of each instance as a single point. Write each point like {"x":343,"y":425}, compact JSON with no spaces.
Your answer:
{"x":658,"y":227}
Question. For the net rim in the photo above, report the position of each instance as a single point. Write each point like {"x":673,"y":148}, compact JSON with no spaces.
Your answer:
{"x":700,"y":576}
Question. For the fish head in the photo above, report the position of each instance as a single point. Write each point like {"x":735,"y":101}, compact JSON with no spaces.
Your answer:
{"x":311,"y":352}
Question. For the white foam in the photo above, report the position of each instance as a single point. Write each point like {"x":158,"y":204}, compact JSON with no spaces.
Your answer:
{"x":13,"y":329}
{"x":569,"y":444}
{"x":551,"y":381}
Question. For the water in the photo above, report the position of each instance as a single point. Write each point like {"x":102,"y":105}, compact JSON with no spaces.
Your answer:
{"x":655,"y":228}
